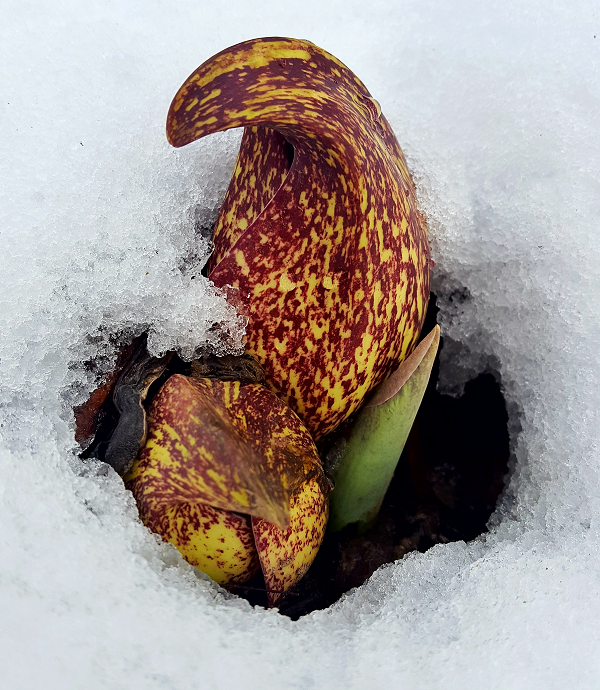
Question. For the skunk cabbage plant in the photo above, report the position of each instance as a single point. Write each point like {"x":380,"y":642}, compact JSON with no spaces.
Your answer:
{"x":320,"y":232}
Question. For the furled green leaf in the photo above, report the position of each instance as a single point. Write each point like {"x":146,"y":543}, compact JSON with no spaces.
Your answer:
{"x":364,"y":461}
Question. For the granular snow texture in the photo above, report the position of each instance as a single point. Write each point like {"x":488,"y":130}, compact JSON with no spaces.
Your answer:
{"x":103,"y":228}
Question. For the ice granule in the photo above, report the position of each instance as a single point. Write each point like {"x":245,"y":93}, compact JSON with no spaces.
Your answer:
{"x":103,"y":232}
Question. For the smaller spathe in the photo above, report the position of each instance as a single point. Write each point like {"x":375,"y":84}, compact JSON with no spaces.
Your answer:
{"x":230,"y":476}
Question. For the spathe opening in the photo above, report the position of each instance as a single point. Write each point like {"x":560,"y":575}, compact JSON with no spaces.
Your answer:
{"x":255,"y":184}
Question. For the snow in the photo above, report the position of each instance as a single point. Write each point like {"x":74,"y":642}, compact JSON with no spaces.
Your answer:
{"x":496,"y":106}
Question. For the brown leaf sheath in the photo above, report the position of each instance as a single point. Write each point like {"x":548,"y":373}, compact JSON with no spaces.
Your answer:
{"x":337,"y":263}
{"x":233,"y":447}
{"x":87,"y":415}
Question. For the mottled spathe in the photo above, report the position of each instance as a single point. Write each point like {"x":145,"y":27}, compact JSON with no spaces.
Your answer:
{"x":217,"y":453}
{"x":331,"y":250}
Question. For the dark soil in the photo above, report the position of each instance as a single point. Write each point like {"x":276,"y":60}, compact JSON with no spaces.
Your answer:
{"x":445,"y":488}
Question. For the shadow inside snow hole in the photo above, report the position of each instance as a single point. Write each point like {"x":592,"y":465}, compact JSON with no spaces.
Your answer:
{"x":445,"y":489}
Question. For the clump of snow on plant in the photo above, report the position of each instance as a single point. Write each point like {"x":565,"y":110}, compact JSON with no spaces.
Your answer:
{"x":106,"y":229}
{"x":104,"y":232}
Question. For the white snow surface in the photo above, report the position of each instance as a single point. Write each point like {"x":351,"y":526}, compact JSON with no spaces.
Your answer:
{"x":496,"y":105}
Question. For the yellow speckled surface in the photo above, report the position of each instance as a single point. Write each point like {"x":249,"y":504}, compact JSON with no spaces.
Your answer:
{"x":226,"y":445}
{"x":218,"y":542}
{"x":332,"y":251}
{"x":218,"y":452}
{"x":285,"y":556}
